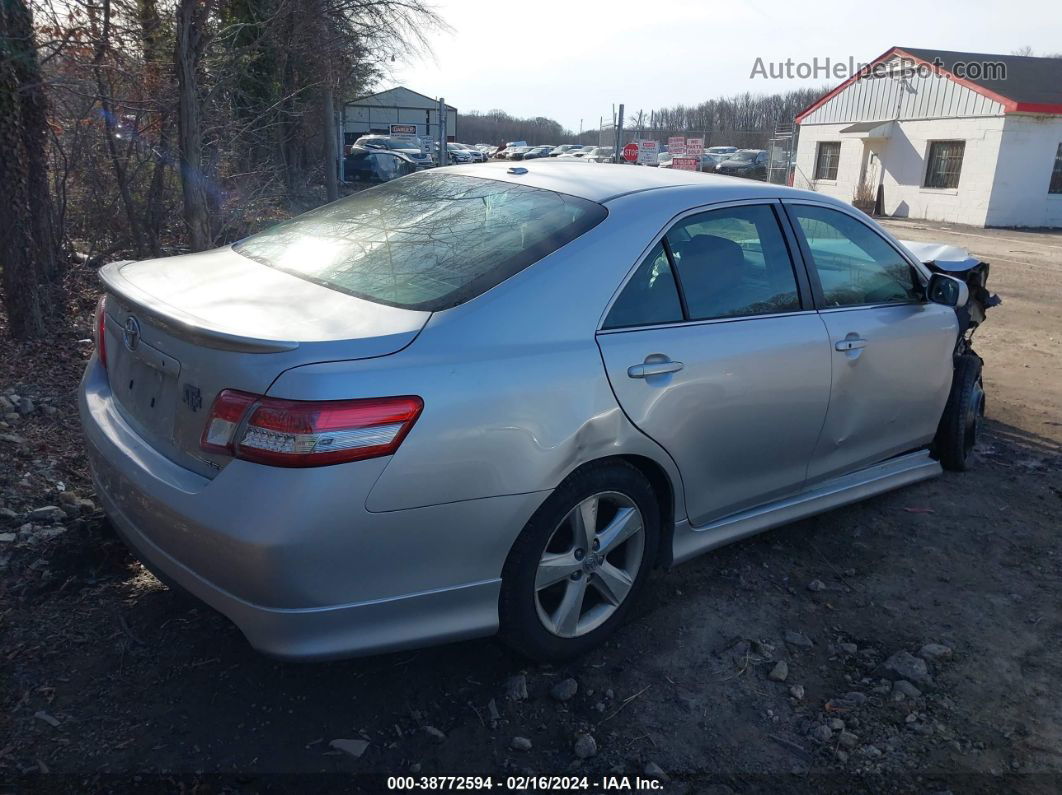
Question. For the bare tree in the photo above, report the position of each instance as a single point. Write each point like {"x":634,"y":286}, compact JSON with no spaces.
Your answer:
{"x":191,"y":37}
{"x":28,"y":258}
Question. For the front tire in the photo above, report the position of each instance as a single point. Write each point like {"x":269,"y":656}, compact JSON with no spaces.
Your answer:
{"x":580,"y":562}
{"x":960,"y":425}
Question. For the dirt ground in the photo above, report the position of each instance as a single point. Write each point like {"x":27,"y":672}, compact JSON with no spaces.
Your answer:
{"x":105,"y":674}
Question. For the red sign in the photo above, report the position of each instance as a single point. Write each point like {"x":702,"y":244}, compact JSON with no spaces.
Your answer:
{"x":686,"y":163}
{"x":630,"y":152}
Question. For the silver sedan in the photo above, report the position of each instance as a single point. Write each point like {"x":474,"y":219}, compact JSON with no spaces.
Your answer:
{"x":491,"y":399}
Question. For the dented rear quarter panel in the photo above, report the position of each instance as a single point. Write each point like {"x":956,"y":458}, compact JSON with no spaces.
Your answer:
{"x":515,"y":392}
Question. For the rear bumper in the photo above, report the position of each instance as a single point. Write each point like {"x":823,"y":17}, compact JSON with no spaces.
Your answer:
{"x":292,"y":557}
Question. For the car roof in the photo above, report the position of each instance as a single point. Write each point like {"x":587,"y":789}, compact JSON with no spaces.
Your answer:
{"x":601,"y":183}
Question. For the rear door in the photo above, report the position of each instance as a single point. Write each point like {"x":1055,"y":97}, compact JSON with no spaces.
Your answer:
{"x":890,"y":349}
{"x":714,"y":350}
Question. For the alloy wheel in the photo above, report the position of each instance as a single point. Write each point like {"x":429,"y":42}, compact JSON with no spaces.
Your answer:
{"x":589,"y":564}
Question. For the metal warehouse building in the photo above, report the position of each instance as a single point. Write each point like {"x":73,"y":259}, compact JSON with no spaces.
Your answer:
{"x":944,"y":136}
{"x":375,"y":113}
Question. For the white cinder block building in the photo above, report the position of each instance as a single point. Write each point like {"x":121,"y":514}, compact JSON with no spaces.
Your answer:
{"x":944,"y":136}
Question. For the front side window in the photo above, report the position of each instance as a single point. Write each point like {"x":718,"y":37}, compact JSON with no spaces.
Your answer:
{"x":826,"y":159}
{"x":944,"y":164}
{"x":427,"y":241}
{"x":733,"y":262}
{"x":855,"y":266}
{"x":1056,"y":173}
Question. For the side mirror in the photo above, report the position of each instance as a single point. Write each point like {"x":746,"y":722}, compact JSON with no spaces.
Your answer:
{"x":947,"y":290}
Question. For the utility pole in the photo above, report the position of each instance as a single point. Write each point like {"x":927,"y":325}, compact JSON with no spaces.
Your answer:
{"x":619,"y":127}
{"x":342,"y":146}
{"x":444,"y":154}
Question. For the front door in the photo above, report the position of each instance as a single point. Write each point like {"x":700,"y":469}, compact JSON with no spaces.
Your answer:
{"x":891,"y":350}
{"x":713,"y":351}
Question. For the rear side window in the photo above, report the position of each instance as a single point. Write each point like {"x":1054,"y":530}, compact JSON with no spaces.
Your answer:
{"x":650,"y":296}
{"x":854,"y":265}
{"x":428,"y":241}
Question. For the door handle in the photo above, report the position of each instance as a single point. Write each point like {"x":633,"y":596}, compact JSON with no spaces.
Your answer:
{"x":850,"y":344}
{"x":653,"y":368}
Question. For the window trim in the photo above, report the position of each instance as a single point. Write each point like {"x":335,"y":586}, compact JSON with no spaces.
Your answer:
{"x":813,"y":274}
{"x":805,"y":293}
{"x":836,"y":165}
{"x":928,"y":161}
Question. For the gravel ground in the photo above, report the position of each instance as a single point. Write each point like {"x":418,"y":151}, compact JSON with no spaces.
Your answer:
{"x":909,"y":643}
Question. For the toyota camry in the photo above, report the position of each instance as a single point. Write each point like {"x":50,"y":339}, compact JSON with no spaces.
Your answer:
{"x":492,"y":399}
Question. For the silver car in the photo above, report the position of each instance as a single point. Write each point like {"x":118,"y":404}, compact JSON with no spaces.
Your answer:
{"x":490,"y":399}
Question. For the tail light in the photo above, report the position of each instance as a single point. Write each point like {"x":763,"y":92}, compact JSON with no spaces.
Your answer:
{"x":101,"y":329}
{"x":307,"y":433}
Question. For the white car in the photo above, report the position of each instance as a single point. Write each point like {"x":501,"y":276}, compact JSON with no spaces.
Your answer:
{"x":600,"y":154}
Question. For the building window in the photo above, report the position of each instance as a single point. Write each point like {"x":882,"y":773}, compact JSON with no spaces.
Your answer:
{"x":826,"y":159}
{"x":945,"y":163}
{"x":1056,"y":173}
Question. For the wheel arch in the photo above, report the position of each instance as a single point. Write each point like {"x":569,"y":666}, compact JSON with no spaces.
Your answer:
{"x":660,"y":480}
{"x":665,"y":498}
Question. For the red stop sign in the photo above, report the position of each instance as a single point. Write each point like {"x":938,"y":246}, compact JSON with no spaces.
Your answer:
{"x":630,"y":152}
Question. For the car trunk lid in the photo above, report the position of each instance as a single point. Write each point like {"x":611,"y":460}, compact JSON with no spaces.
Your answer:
{"x":181,"y":329}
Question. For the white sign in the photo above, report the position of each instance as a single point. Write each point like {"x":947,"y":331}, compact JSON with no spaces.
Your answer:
{"x":694,"y":147}
{"x":676,"y":145}
{"x":407,"y":134}
{"x":648,"y":152}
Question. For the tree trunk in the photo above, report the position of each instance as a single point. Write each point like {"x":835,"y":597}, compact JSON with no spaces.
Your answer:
{"x":157,"y":87}
{"x":117,"y":161}
{"x":328,"y":127}
{"x":191,"y":19}
{"x":28,"y":257}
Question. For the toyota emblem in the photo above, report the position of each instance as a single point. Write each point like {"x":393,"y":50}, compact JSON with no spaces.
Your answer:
{"x":131,"y":333}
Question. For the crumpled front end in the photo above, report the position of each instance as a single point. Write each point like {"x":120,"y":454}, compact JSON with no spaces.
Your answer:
{"x":958,"y":262}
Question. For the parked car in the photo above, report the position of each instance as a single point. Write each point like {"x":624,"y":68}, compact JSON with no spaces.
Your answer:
{"x":710,"y":161}
{"x":600,"y":154}
{"x":376,"y":165}
{"x":460,"y":154}
{"x":578,"y":153}
{"x":721,"y":150}
{"x":537,"y":151}
{"x":474,"y":152}
{"x":749,"y":163}
{"x":421,"y":158}
{"x":563,"y":149}
{"x":353,"y":432}
{"x":518,"y":152}
{"x":511,"y":147}
{"x":663,"y":160}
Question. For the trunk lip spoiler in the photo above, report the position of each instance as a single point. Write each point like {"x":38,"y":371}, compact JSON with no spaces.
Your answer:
{"x":183,"y":323}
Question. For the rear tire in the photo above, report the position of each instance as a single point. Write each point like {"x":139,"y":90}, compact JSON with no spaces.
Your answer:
{"x":960,"y":424}
{"x":580,"y":562}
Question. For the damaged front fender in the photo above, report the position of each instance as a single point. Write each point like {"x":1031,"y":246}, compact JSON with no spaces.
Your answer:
{"x":959,"y":263}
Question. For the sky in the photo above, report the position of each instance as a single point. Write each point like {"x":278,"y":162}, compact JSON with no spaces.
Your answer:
{"x":571,"y":61}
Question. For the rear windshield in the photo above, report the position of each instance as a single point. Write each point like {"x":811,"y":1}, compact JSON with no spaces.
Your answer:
{"x":428,"y":241}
